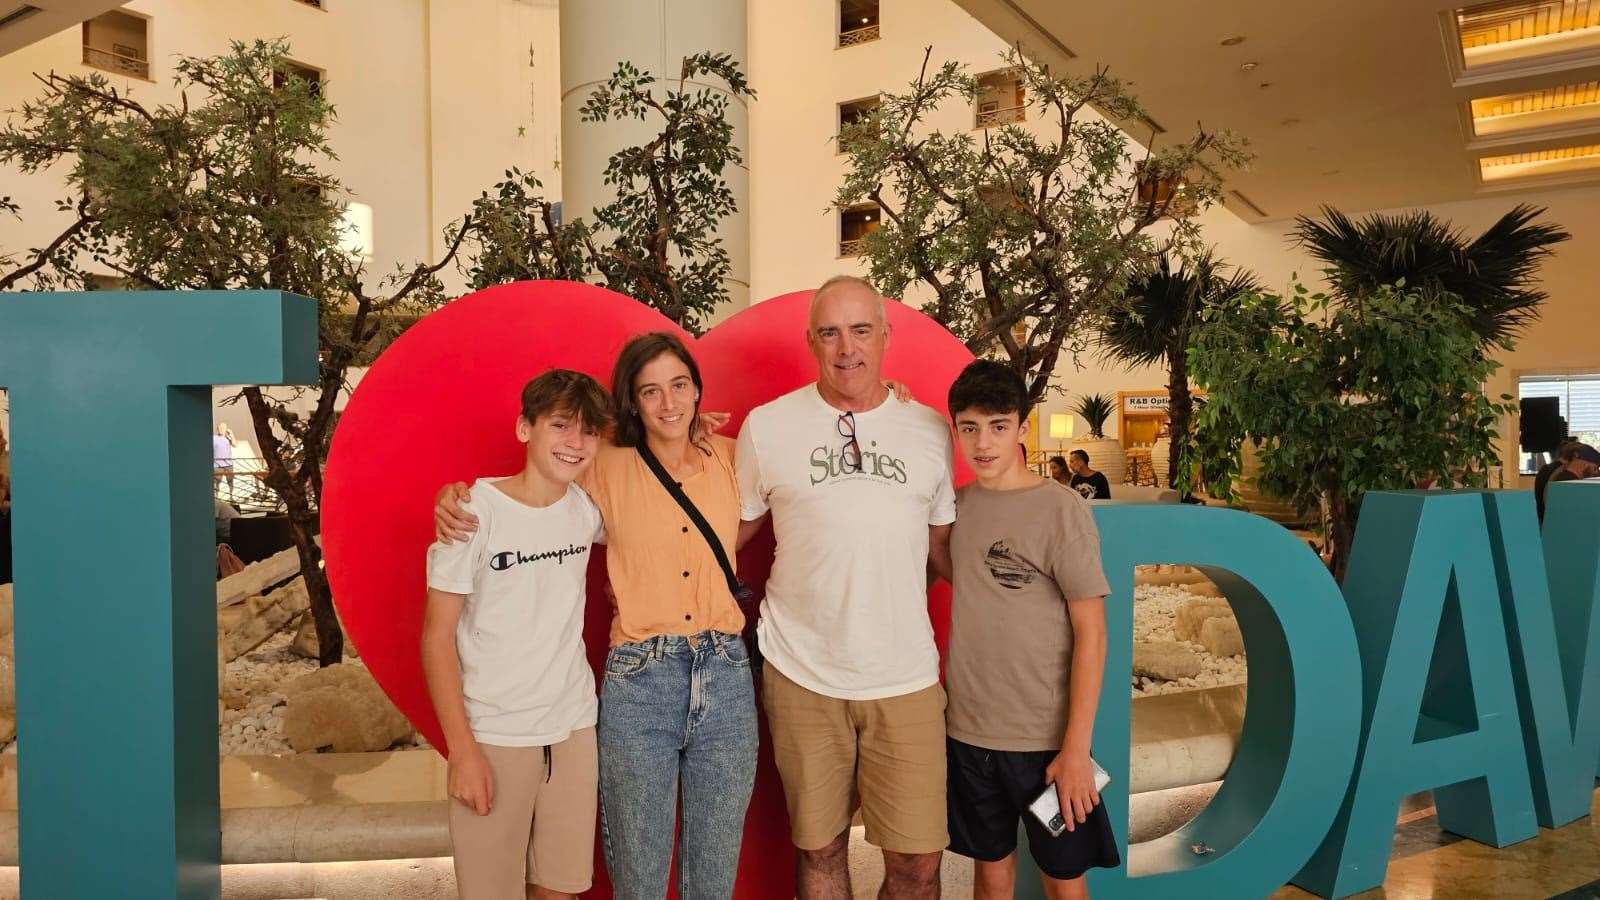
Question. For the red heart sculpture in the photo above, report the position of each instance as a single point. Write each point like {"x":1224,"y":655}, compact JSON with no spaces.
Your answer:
{"x":439,"y":406}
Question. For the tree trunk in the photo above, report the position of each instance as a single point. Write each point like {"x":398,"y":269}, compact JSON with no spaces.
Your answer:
{"x":302,"y":528}
{"x":1341,"y":533}
{"x":1180,"y":410}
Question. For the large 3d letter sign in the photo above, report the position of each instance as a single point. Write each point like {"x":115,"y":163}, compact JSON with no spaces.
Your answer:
{"x":1478,"y":676}
{"x":1462,"y":656}
{"x":115,"y":573}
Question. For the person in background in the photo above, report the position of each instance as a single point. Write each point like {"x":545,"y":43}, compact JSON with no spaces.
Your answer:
{"x":222,"y":455}
{"x":1059,"y":473}
{"x":1585,"y":463}
{"x":1086,"y":481}
{"x":225,"y":514}
{"x":1548,"y":470}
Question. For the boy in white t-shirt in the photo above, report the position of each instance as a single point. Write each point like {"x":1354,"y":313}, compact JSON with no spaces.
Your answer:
{"x":502,"y":649}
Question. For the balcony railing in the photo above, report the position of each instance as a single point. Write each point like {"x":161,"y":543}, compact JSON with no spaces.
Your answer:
{"x":1005,"y":115}
{"x":853,"y":247}
{"x":119,"y":63}
{"x":244,"y":485}
{"x":858,"y":36}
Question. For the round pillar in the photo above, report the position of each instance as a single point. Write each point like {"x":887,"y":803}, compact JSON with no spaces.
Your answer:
{"x":655,"y":36}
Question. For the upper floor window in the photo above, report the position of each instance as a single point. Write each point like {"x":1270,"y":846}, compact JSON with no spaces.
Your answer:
{"x":854,"y":111}
{"x":858,"y":22}
{"x":1001,"y":99}
{"x":855,"y":223}
{"x":119,"y":43}
{"x":290,"y":69}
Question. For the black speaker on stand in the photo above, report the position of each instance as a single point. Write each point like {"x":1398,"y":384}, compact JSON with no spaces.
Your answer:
{"x":1542,"y":429}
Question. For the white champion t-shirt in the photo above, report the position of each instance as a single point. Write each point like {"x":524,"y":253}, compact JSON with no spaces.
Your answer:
{"x":846,"y":611}
{"x":524,"y":673}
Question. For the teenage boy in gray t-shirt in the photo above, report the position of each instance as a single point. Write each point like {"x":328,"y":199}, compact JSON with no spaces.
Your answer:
{"x":1027,"y":651}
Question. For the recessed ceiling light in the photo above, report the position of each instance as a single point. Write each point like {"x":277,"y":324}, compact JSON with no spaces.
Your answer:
{"x":1250,"y":66}
{"x":1234,"y":41}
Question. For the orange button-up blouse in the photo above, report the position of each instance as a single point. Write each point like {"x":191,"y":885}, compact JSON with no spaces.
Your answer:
{"x":665,"y":578}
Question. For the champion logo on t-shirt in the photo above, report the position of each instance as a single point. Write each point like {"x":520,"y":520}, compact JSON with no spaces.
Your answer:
{"x":503,"y":561}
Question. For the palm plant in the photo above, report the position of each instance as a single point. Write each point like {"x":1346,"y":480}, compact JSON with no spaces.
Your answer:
{"x":1160,"y":312}
{"x":1494,"y":275}
{"x":1095,"y":409}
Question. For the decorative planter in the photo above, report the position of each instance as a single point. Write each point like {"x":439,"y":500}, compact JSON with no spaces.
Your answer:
{"x":1105,"y":455}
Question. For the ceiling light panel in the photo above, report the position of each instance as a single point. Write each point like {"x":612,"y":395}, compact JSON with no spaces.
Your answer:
{"x":1564,"y":105}
{"x":1559,"y":161}
{"x":1512,"y":30}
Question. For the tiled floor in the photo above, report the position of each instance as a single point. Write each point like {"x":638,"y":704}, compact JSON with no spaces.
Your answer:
{"x":1428,"y":863}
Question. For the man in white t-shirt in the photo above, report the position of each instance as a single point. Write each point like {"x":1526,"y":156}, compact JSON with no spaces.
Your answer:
{"x":858,"y":486}
{"x":502,"y":649}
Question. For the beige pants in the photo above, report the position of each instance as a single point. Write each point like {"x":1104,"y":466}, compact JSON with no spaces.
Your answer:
{"x":540,"y":829}
{"x":890,"y":753}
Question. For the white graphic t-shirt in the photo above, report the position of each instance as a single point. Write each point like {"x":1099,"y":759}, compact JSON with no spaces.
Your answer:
{"x":524,"y":673}
{"x":846,"y":611}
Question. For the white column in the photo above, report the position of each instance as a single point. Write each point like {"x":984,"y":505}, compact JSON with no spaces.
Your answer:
{"x":655,"y":35}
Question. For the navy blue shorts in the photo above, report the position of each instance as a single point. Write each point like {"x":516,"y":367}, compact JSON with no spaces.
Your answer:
{"x":989,"y":792}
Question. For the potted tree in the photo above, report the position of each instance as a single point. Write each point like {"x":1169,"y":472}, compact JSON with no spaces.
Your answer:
{"x":1162,"y":307}
{"x":1105,"y":454}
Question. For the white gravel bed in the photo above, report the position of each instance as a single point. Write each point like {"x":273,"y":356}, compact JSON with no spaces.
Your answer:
{"x":1155,"y":610}
{"x":256,"y":676}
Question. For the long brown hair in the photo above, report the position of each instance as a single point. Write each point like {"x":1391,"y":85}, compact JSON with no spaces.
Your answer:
{"x":635,"y":355}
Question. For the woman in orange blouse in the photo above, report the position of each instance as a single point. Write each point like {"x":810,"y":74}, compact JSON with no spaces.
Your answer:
{"x":677,"y":710}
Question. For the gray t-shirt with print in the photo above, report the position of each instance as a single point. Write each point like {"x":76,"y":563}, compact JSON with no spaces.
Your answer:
{"x":1018,"y":557}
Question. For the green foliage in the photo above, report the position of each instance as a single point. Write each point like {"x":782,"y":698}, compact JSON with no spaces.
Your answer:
{"x":225,"y":190}
{"x":517,"y":238}
{"x":1162,"y":307}
{"x":1005,"y":228}
{"x":1345,"y":398}
{"x":1493,"y":275}
{"x":657,"y":241}
{"x":1095,"y":410}
{"x":1155,"y":323}
{"x":662,"y":245}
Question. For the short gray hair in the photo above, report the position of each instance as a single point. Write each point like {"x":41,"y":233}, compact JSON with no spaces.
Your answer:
{"x":838,"y":281}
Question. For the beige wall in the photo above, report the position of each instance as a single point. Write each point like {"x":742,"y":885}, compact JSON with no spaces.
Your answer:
{"x":800,"y":78}
{"x":495,"y":100}
{"x":429,"y":94}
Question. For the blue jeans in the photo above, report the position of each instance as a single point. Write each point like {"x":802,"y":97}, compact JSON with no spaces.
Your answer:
{"x":676,"y":710}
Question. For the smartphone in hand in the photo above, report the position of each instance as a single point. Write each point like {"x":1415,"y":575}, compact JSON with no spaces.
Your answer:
{"x":1047,"y":806}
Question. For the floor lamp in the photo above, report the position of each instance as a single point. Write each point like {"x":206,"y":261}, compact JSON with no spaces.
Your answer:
{"x":1060,"y":430}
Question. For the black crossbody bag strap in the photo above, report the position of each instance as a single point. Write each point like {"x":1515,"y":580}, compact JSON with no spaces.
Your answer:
{"x":739,"y":591}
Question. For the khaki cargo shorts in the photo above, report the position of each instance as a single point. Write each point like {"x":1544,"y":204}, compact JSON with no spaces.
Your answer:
{"x":890,"y":753}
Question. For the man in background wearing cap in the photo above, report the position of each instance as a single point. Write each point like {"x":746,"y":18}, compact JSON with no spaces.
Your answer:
{"x":1585,"y":463}
{"x":1548,"y":470}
